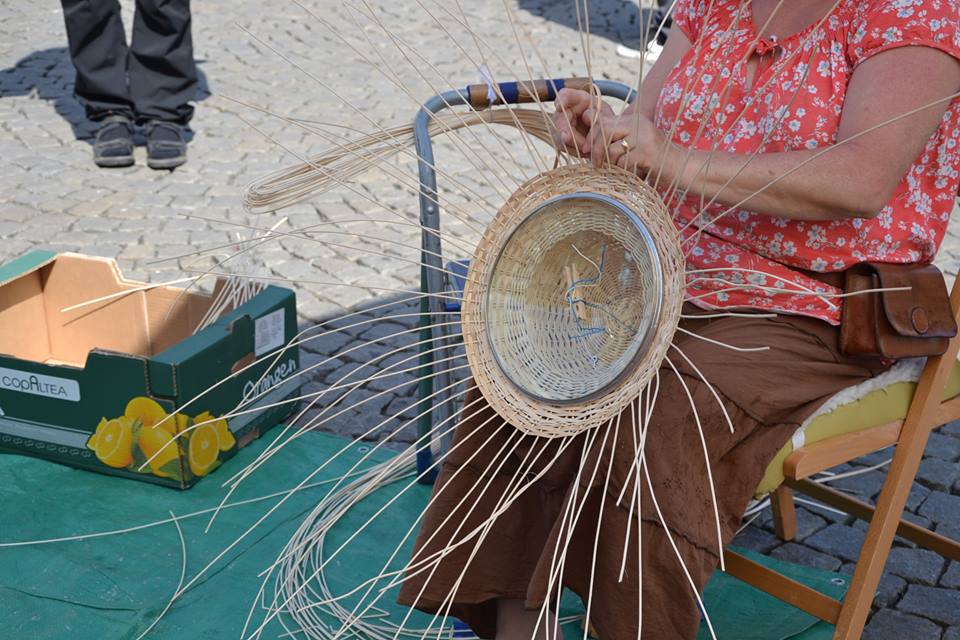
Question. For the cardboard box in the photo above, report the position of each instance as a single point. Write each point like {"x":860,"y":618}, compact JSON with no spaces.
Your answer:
{"x":96,"y":387}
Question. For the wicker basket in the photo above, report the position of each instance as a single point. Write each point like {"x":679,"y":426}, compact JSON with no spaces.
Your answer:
{"x":572,"y":299}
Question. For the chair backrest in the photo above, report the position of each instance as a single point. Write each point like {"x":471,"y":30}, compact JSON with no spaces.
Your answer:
{"x":933,"y":379}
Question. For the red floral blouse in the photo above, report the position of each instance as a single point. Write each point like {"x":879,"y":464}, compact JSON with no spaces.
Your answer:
{"x":705,"y":101}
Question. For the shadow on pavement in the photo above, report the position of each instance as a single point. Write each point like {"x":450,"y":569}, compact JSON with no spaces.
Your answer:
{"x":619,"y":21}
{"x":48,"y":75}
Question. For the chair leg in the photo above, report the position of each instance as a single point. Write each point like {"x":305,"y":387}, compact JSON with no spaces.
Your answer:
{"x":876,"y":548}
{"x":919,"y":422}
{"x":784,"y":513}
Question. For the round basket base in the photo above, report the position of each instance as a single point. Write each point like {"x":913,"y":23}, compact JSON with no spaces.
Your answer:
{"x":572,"y":299}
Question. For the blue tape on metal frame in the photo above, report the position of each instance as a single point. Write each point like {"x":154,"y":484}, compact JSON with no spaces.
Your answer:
{"x":510,"y":91}
{"x":457,"y":275}
{"x":553,"y":88}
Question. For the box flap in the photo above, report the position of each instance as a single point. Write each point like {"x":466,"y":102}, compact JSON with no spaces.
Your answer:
{"x":190,"y":367}
{"x":55,"y":308}
{"x":25,"y":264}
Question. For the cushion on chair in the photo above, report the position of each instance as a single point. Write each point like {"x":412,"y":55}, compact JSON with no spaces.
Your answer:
{"x":871,"y":403}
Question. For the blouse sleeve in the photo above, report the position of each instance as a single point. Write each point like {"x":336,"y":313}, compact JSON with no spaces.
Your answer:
{"x":688,"y":17}
{"x":887,"y":24}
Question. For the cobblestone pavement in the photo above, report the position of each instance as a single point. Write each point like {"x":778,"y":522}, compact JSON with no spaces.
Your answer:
{"x":52,"y":196}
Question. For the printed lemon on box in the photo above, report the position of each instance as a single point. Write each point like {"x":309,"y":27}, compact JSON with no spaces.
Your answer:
{"x":210,"y":436}
{"x":148,"y":411}
{"x":204,"y":450}
{"x":113,"y":442}
{"x":146,"y":439}
{"x":159,"y":448}
{"x":225,"y":439}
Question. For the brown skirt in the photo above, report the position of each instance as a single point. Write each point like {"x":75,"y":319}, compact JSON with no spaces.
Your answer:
{"x":767,"y":394}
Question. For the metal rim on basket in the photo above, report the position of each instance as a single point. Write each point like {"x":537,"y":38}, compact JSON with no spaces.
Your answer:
{"x":644,"y":343}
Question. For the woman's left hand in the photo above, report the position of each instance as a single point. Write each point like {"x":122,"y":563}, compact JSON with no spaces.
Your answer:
{"x":629,"y":141}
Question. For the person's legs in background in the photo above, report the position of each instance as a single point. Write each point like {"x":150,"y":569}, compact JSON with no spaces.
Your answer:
{"x":163,"y":78}
{"x":99,"y":52}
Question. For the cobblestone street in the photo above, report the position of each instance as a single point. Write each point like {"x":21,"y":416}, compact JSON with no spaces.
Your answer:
{"x":259,"y":63}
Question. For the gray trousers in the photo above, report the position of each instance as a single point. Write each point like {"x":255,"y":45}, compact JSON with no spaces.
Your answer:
{"x":152,"y":79}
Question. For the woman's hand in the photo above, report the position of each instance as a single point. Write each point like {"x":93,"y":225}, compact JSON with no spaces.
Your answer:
{"x":570,"y":127}
{"x":629,"y":141}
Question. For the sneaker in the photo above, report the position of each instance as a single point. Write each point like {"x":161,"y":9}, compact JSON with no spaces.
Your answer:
{"x":113,"y":146}
{"x":166,"y":145}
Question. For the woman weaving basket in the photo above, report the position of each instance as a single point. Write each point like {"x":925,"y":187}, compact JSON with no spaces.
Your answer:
{"x":744,"y":92}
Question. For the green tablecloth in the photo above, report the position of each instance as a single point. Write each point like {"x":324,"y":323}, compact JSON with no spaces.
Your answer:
{"x":114,"y":586}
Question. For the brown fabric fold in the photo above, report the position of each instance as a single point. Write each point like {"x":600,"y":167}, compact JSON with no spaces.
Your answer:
{"x":767,"y":394}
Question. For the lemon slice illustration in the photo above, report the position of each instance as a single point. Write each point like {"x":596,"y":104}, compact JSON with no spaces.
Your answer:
{"x":225,"y":439}
{"x":113,"y":442}
{"x":203,"y":450}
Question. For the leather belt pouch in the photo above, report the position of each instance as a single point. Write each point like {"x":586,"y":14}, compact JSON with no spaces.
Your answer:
{"x":896,"y":324}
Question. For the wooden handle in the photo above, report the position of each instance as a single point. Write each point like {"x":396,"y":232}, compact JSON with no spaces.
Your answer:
{"x":523,"y":91}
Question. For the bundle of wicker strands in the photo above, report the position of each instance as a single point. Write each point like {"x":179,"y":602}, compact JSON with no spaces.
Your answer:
{"x":572,"y":299}
{"x":342,"y":162}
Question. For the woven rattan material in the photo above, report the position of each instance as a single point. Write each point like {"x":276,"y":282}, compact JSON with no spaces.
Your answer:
{"x":574,"y":294}
{"x":572,"y":299}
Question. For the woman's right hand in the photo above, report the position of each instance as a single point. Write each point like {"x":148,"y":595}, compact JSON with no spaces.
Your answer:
{"x":570,"y":127}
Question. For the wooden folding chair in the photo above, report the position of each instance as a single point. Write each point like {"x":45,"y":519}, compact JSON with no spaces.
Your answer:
{"x":927,"y":412}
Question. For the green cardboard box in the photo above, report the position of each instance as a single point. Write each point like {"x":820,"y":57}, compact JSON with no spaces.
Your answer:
{"x":96,"y":386}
